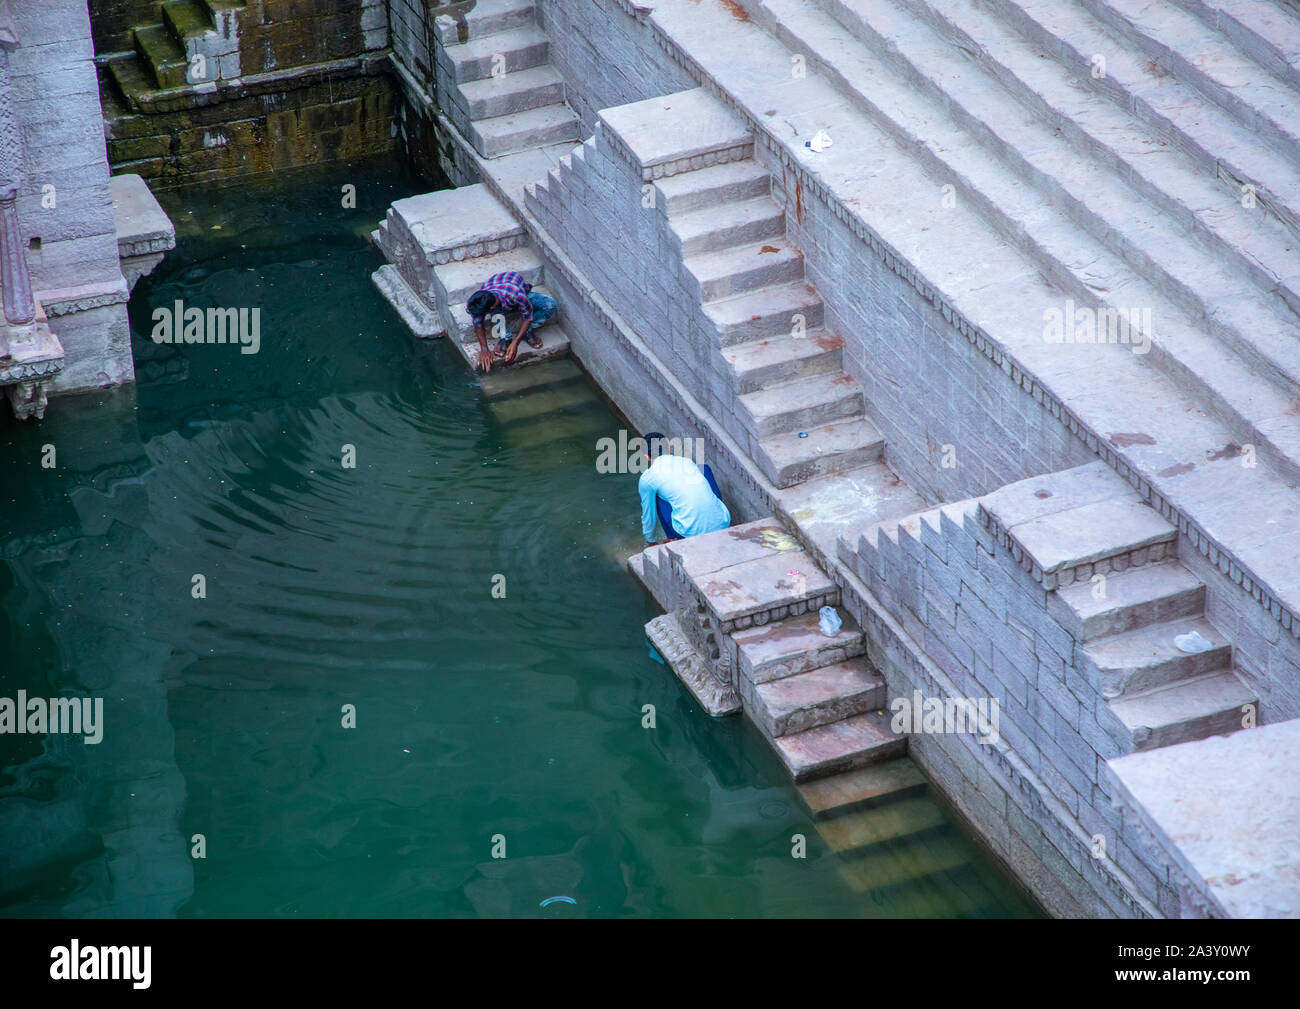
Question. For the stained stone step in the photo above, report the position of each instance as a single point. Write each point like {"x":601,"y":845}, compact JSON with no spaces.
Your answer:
{"x":484,"y":17}
{"x":794,"y":645}
{"x":871,"y":785}
{"x":904,"y":861}
{"x":783,"y":358}
{"x":817,"y":697}
{"x":186,"y":18}
{"x":879,"y":824}
{"x":162,"y":54}
{"x":459,"y":280}
{"x":1137,"y":201}
{"x":516,"y":92}
{"x":1131,"y":599}
{"x":537,"y":405}
{"x":1146,"y":658}
{"x":840,"y":746}
{"x":801,"y":404}
{"x":1190,"y":709}
{"x":767,"y":312}
{"x":745,"y":268}
{"x":758,"y":591}
{"x":508,"y":382}
{"x":1224,"y":146}
{"x":728,"y":224}
{"x":587,"y":425}
{"x":842,"y":445}
{"x":712,"y":186}
{"x":1204,"y":59}
{"x":551,"y":124}
{"x":519,"y":49}
{"x":1263,"y":30}
{"x":555,"y":341}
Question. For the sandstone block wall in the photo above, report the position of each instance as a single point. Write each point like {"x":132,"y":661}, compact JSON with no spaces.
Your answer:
{"x":1041,"y":797}
{"x":905,"y":353}
{"x":607,"y":55}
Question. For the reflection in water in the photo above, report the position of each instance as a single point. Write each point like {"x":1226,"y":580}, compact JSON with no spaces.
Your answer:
{"x":328,"y":589}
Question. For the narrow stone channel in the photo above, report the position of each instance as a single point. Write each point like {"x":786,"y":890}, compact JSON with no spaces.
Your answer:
{"x":514,"y":714}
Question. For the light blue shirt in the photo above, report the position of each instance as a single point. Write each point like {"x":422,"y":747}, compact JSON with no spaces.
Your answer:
{"x":696,"y":509}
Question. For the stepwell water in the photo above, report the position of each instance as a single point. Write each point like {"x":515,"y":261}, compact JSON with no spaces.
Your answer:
{"x":195,"y":553}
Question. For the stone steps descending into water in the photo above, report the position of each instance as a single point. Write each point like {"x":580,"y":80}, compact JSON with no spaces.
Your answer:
{"x":442,"y":246}
{"x":504,"y":95}
{"x":817,"y":697}
{"x":196,"y":43}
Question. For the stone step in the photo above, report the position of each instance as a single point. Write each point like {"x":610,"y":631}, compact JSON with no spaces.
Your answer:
{"x":550,"y":124}
{"x":783,"y":357}
{"x":537,"y":405}
{"x":1262,"y":30}
{"x":508,"y":382}
{"x":1205,"y":60}
{"x":505,"y":51}
{"x":801,"y":404}
{"x":1128,"y":600}
{"x":788,"y":459}
{"x":726,"y":225}
{"x":719,"y":275}
{"x":880,"y":824}
{"x":484,"y":17}
{"x":582,"y":426}
{"x":840,"y":746}
{"x":1224,"y":146}
{"x":1190,"y":709}
{"x":185,"y":19}
{"x":756,"y":592}
{"x":794,"y":645}
{"x":732,"y":182}
{"x":1146,"y":658}
{"x":459,"y":280}
{"x":1135,"y":204}
{"x":515,"y":92}
{"x":162,"y":54}
{"x":871,"y":785}
{"x":905,"y":860}
{"x":817,"y":697}
{"x":770,"y":311}
{"x":1225,"y":365}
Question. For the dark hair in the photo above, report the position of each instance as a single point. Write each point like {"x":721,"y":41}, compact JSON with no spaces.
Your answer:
{"x":651,"y":443}
{"x":480,"y":303}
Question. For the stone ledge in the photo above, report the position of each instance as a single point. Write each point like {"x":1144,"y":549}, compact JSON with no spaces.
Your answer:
{"x":683,"y":132}
{"x":715,"y":697}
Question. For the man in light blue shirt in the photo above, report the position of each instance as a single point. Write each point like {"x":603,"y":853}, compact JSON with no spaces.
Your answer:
{"x":679,"y":495}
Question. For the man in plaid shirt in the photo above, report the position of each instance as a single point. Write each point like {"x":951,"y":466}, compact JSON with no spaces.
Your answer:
{"x":502,"y":293}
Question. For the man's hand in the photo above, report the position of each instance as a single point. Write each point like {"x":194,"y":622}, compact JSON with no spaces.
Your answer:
{"x":510,"y":353}
{"x":485,"y":359}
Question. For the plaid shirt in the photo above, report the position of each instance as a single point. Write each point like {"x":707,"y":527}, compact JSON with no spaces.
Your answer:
{"x":511,"y":290}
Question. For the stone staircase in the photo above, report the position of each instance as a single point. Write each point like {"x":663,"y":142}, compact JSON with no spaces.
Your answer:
{"x":197,"y":43}
{"x":741,"y":632}
{"x":1100,"y":178}
{"x":496,"y":83}
{"x":798,"y":412}
{"x":441,"y":247}
{"x":893,"y":842}
{"x":1107,"y":561}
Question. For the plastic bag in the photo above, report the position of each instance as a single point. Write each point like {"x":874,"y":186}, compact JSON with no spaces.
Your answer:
{"x":1192,"y":643}
{"x":830,"y":622}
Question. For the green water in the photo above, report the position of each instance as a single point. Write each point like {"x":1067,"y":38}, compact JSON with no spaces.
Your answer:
{"x":515,"y":718}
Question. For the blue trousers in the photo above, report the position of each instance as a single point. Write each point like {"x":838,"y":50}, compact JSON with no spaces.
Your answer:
{"x":665,"y":510}
{"x":543,"y":309}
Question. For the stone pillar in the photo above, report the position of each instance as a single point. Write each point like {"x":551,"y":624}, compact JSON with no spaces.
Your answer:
{"x":15,"y":281}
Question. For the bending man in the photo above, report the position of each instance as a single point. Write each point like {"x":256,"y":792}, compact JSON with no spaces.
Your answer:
{"x":678,"y":495}
{"x":500,"y":294}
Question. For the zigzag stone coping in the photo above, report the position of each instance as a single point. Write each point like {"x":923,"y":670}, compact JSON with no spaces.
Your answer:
{"x":1222,"y":558}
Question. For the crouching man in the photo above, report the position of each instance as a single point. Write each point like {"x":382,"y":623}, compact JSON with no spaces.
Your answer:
{"x":499,"y":295}
{"x":678,"y":495}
